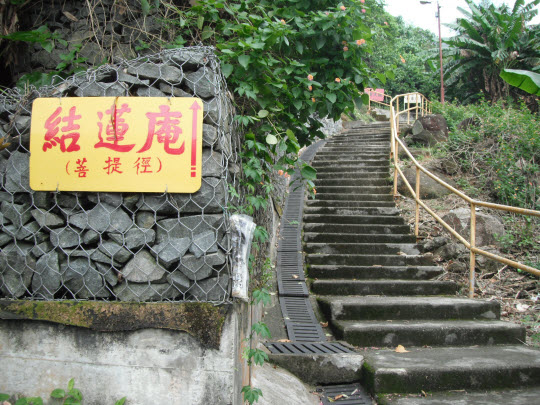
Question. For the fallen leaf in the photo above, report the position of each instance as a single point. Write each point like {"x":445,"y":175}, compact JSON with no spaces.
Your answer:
{"x":423,"y":393}
{"x":324,"y":324}
{"x":283,"y":340}
{"x":340,"y":396}
{"x":522,"y":307}
{"x":294,"y":276}
{"x":354,"y":392}
{"x":70,"y":16}
{"x":401,"y":349}
{"x":377,"y":265}
{"x":402,"y":254}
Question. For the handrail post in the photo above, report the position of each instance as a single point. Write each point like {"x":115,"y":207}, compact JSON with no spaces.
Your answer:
{"x":408,"y":110}
{"x":417,"y":199}
{"x":397,"y":118}
{"x":416,"y":104}
{"x":472,"y":254}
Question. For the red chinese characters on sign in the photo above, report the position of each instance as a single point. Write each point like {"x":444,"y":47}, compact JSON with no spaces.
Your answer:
{"x":165,"y":127}
{"x":52,"y":125}
{"x":81,"y":169}
{"x":113,"y":165}
{"x":115,"y":130}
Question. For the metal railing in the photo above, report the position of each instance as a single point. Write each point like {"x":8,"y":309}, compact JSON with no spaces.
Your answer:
{"x":419,"y":109}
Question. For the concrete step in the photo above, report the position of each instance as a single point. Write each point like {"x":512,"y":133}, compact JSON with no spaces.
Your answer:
{"x":327,"y":237}
{"x":355,"y":189}
{"x":357,"y":182}
{"x":351,"y":155}
{"x":354,"y":148}
{"x":354,"y":219}
{"x":363,"y":248}
{"x":353,"y":170}
{"x":431,"y":333}
{"x":452,"y":368}
{"x":351,"y":211}
{"x":357,"y":228}
{"x":407,"y":308}
{"x":384,"y":287}
{"x":355,"y":197}
{"x":374,"y":272}
{"x":351,"y":163}
{"x":352,"y":202}
{"x":337,"y":176}
{"x":368,"y":260}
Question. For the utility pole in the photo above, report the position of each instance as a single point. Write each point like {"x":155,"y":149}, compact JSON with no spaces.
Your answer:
{"x":440,"y":44}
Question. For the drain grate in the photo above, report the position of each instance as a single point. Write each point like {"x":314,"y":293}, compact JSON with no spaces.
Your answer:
{"x":349,"y":394}
{"x":306,"y":348}
{"x":304,"y":332}
{"x":300,"y":320}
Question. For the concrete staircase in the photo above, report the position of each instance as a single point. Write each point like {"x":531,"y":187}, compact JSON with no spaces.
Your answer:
{"x":378,"y":291}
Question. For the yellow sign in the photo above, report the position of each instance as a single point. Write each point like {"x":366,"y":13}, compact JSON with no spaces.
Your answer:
{"x":118,"y":144}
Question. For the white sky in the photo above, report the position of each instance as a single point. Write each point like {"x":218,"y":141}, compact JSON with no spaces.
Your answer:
{"x":423,"y":15}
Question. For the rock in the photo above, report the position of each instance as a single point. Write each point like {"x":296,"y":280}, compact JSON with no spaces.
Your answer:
{"x":17,"y":173}
{"x":486,"y":264}
{"x":190,"y":60}
{"x":165,"y":73}
{"x":450,"y":251}
{"x":427,"y":138}
{"x":91,"y":237}
{"x":204,"y":243}
{"x":16,"y":269}
{"x":188,"y":227}
{"x":18,"y":214}
{"x":124,"y":77}
{"x":42,"y":248}
{"x":170,"y":251}
{"x":135,"y":238}
{"x":98,"y":89}
{"x":435,"y":243}
{"x":102,"y":218}
{"x":94,"y":254}
{"x":212,"y":113}
{"x":47,"y":219}
{"x":431,"y":123}
{"x":67,"y":201}
{"x":449,"y":166}
{"x":212,"y":164}
{"x":5,"y":238}
{"x":173,"y":90}
{"x":145,"y":219}
{"x":429,"y":188}
{"x":145,"y":292}
{"x":83,"y":280}
{"x":179,"y":281}
{"x":143,"y":268}
{"x":210,"y":135}
{"x":457,"y":267}
{"x":163,"y":204}
{"x":108,"y":272}
{"x":210,"y":198}
{"x":47,"y":278}
{"x":113,"y":199}
{"x":488,"y":227}
{"x":468,"y":123}
{"x":123,"y":52}
{"x":200,"y":268}
{"x":42,"y":199}
{"x":31,"y":233}
{"x":202,"y":82}
{"x":94,"y":55}
{"x":65,"y":237}
{"x":213,"y":289}
{"x":149,"y":92}
{"x":116,"y":251}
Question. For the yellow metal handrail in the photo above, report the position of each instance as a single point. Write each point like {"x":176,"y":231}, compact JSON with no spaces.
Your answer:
{"x":421,"y":108}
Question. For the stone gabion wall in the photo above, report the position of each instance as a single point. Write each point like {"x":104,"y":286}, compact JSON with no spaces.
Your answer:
{"x":120,"y":246}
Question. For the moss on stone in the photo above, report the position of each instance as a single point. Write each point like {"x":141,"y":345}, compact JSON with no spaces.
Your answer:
{"x":203,"y":321}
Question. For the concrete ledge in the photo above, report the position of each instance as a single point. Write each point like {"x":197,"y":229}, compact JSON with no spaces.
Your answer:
{"x":201,"y":320}
{"x":322,"y":369}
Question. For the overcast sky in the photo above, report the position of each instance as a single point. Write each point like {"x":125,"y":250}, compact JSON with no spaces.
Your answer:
{"x":424,"y":15}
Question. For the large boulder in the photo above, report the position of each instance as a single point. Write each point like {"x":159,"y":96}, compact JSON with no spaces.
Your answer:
{"x":488,"y":227}
{"x":429,"y":130}
{"x":429,"y":188}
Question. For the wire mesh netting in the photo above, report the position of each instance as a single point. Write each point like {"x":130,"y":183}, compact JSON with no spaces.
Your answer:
{"x":121,"y":246}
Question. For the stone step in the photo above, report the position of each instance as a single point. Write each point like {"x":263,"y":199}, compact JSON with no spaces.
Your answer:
{"x":384,"y":287}
{"x":352,"y":148}
{"x":337,"y":176}
{"x":351,"y":211}
{"x":352,"y":202}
{"x":407,"y":308}
{"x":327,"y":237}
{"x":351,"y":163}
{"x":368,"y":260}
{"x":351,"y":155}
{"x":354,"y":171}
{"x":363,"y":248}
{"x":452,"y":368}
{"x":352,"y":182}
{"x":386,"y":198}
{"x":354,"y":219}
{"x":355,"y":189}
{"x":376,"y":272}
{"x":430,"y":333}
{"x":357,"y":229}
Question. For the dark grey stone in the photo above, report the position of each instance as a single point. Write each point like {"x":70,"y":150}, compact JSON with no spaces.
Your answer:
{"x":47,"y":278}
{"x":126,"y":78}
{"x":130,"y":200}
{"x":210,"y":135}
{"x":210,"y":198}
{"x":42,"y":248}
{"x":166,"y":73}
{"x":18,"y":214}
{"x":4,"y":196}
{"x":135,"y":238}
{"x":64,"y":237}
{"x":186,"y":227}
{"x":149,"y":92}
{"x":96,"y":89}
{"x":179,"y":281}
{"x":113,"y":199}
{"x":30,"y":232}
{"x":102,"y":218}
{"x":94,"y":254}
{"x":488,"y":227}
{"x":83,"y":279}
{"x":108,"y":272}
{"x":94,"y":55}
{"x":47,"y":219}
{"x":202,"y":82}
{"x":68,"y":202}
{"x":143,"y":268}
{"x":212,"y":164}
{"x":435,"y":243}
{"x":116,"y":251}
{"x":190,"y":59}
{"x":173,"y":90}
{"x":16,"y":269}
{"x":160,"y":204}
{"x":170,"y":251}
{"x":42,"y":199}
{"x":91,"y":237}
{"x":212,"y":113}
{"x":145,"y":219}
{"x":204,"y":243}
{"x":212,"y":289}
{"x":429,"y":188}
{"x":5,"y":238}
{"x":200,"y":268}
{"x":145,"y":292}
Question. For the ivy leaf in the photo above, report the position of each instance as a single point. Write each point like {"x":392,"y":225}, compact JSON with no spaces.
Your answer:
{"x":145,"y":6}
{"x":244,"y":60}
{"x":300,"y":47}
{"x":263,"y":113}
{"x":308,"y":172}
{"x":58,"y":393}
{"x":121,"y":401}
{"x":291,"y":136}
{"x":227,"y":69}
{"x":271,"y":139}
{"x":4,"y":397}
{"x":331,"y":97}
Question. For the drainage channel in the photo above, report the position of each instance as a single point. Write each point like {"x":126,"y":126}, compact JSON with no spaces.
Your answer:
{"x":348,"y":394}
